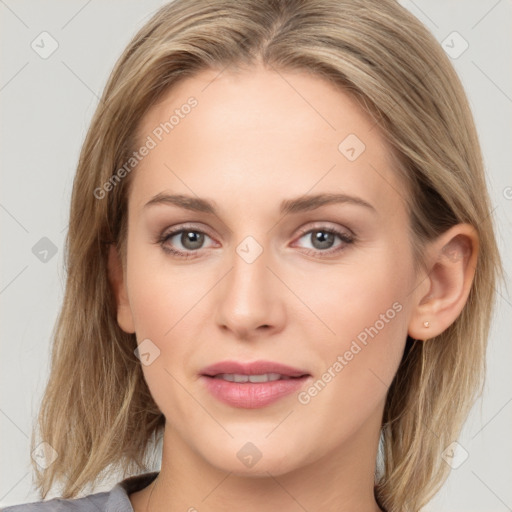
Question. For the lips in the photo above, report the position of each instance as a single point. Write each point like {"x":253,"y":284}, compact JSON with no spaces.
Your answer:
{"x":253,"y":368}
{"x":252,"y":385}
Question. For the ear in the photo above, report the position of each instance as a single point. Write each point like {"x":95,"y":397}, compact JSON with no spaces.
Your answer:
{"x":118,"y":282}
{"x":451,"y":263}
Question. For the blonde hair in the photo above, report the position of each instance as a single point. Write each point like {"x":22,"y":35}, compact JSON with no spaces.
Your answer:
{"x":97,"y":411}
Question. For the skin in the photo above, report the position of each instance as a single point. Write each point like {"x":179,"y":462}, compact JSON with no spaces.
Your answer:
{"x":257,"y":138}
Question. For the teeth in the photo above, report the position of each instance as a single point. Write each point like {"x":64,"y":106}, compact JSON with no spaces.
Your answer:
{"x":236,"y":377}
{"x":266,"y":377}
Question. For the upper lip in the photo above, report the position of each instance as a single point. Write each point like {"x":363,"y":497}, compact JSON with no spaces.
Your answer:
{"x":252,"y":368}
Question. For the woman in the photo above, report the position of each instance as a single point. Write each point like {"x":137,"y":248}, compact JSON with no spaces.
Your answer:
{"x":281,"y":262}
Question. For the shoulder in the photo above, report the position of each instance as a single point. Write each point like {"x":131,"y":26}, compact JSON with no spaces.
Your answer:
{"x":91,"y":503}
{"x":115,"y":500}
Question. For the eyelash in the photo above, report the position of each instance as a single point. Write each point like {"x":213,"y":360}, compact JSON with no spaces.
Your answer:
{"x":347,"y":239}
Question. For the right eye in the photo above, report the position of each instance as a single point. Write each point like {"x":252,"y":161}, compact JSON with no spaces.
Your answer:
{"x":183,"y":242}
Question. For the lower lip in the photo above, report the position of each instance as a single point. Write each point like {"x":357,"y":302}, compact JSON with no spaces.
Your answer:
{"x":252,"y":395}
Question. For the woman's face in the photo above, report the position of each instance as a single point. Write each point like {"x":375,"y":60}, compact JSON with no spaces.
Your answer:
{"x":279,"y":195}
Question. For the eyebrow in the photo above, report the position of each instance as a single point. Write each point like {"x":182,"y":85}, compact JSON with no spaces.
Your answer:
{"x":288,"y":206}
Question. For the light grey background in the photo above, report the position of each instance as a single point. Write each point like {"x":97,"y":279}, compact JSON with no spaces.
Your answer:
{"x":46,"y":108}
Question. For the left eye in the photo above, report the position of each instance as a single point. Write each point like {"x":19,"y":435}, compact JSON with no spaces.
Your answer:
{"x":322,"y":239}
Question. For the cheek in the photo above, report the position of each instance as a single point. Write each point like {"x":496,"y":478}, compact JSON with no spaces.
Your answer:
{"x":162,"y":300}
{"x":351,"y":298}
{"x":367,"y":309}
{"x":161,"y":294}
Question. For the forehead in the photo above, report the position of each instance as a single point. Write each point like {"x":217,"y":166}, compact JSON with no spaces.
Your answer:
{"x":255,"y":134}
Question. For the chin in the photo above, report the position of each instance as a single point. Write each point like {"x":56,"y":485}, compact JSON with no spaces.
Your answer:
{"x":257,"y":458}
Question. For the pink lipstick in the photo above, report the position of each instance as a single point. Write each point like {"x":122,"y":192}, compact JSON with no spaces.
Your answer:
{"x":252,"y":385}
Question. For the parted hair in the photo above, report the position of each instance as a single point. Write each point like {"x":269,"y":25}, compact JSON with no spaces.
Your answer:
{"x":97,"y":412}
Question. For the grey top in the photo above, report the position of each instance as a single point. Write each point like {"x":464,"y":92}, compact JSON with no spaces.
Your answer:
{"x":115,"y":500}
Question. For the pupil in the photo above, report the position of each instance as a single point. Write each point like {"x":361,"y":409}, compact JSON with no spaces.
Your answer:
{"x":192,"y":240}
{"x":322,"y":239}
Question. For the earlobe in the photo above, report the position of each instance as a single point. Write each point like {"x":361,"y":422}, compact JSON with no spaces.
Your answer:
{"x":118,"y":284}
{"x":451,"y":262}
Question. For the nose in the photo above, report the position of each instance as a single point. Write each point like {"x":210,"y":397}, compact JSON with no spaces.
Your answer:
{"x":250,"y":298}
